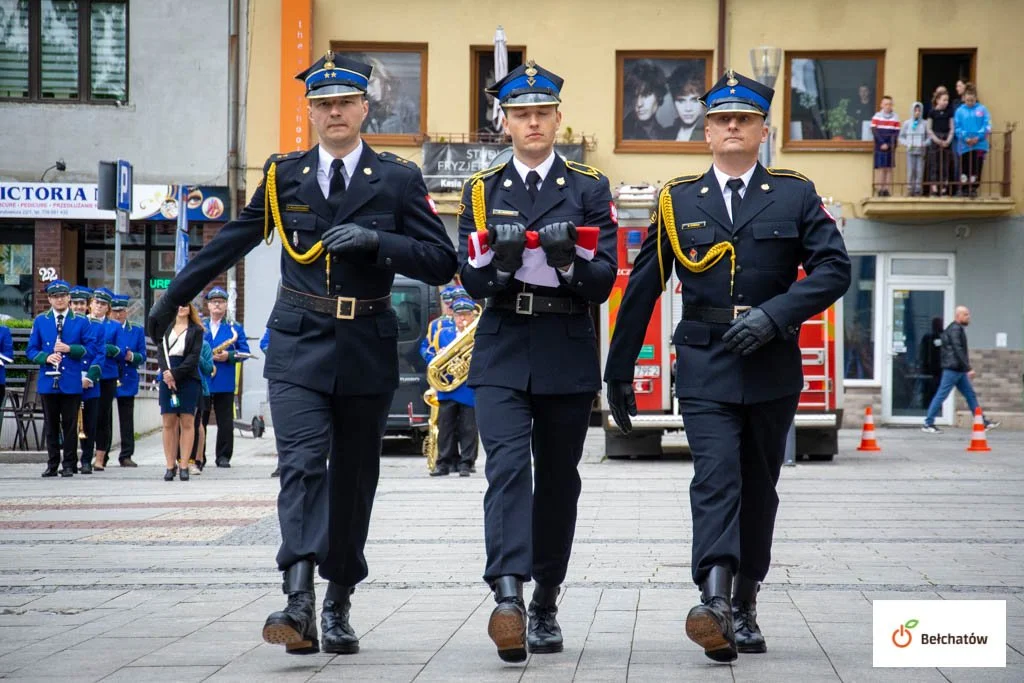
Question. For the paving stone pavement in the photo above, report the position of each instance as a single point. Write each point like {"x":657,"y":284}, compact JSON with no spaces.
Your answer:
{"x":120,"y":576}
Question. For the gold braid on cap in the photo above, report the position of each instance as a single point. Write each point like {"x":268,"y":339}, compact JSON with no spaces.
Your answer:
{"x":667,"y":219}
{"x":271,"y":208}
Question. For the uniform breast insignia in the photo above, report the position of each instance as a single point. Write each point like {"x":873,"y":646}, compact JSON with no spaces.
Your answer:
{"x":302,"y":208}
{"x":583,"y":169}
{"x":786,"y":173}
{"x":667,"y":220}
{"x":504,"y":212}
{"x":691,"y":226}
{"x":766,"y":187}
{"x":560,"y":181}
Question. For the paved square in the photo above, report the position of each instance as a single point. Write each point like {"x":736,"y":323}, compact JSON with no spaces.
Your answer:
{"x":120,"y":576}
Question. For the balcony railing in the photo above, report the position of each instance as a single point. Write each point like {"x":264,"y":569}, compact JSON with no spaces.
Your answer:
{"x":941,"y":173}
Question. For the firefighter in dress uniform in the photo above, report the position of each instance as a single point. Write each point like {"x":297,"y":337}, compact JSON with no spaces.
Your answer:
{"x":736,"y":235}
{"x":535,"y":362}
{"x":133,"y":340}
{"x":349,"y":219}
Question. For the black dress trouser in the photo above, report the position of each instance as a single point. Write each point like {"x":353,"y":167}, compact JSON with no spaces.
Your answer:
{"x":456,"y":435}
{"x":738,"y":451}
{"x":126,"y":418}
{"x":530,"y":516}
{"x":61,"y":422}
{"x":105,"y":416}
{"x":325,"y":502}
{"x":224,"y":406}
{"x":90,"y":411}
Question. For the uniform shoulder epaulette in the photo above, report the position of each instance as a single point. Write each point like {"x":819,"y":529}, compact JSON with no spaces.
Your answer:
{"x":395,"y":159}
{"x":487,"y":172}
{"x":287,"y":155}
{"x":787,"y":173}
{"x":583,"y":169}
{"x":679,"y":180}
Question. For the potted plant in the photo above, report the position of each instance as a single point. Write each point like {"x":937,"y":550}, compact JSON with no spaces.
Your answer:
{"x":839,"y":123}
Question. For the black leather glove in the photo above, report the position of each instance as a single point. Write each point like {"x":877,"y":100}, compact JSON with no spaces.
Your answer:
{"x":161,"y":316}
{"x":507,"y":240}
{"x":349,"y":238}
{"x":558,"y":240}
{"x":622,"y":402}
{"x":749,"y":332}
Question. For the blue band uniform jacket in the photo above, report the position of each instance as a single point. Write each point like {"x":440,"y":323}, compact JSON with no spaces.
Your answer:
{"x":549,"y":353}
{"x":133,"y":338}
{"x":781,"y":224}
{"x":314,"y":350}
{"x":223,"y":381}
{"x":76,"y":333}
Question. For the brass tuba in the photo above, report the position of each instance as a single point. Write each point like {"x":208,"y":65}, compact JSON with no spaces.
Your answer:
{"x":447,"y":372}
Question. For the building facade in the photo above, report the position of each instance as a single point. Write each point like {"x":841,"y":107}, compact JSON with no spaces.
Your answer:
{"x":86,"y":81}
{"x":633,"y":73}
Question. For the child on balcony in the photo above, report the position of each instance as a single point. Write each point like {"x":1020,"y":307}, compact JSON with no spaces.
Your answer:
{"x":914,"y":136}
{"x":885,"y":126}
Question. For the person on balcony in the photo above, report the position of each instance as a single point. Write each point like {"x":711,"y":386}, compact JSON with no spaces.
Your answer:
{"x":973,"y":128}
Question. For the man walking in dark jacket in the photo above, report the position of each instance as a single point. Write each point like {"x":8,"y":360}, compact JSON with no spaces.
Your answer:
{"x":956,"y":371}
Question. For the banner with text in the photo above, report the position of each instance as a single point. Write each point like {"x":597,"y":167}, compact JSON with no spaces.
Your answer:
{"x":77,"y":201}
{"x":447,"y":165}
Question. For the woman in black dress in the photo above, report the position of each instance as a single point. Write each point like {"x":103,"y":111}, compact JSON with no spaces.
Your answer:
{"x":180,"y":388}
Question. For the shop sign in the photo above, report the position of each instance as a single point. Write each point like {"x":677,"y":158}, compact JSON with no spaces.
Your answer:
{"x":77,"y":201}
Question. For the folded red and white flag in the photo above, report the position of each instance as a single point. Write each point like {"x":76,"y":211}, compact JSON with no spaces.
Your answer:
{"x":535,"y":270}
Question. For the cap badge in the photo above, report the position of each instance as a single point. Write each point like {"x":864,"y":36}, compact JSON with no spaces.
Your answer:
{"x":329,"y":64}
{"x":531,"y":71}
{"x":732,"y":78}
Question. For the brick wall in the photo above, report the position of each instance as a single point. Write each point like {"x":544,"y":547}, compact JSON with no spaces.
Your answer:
{"x":47,"y":252}
{"x":997,"y":380}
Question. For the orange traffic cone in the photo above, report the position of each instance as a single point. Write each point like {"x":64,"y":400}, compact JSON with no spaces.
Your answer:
{"x":867,"y":437}
{"x":979,"y":442}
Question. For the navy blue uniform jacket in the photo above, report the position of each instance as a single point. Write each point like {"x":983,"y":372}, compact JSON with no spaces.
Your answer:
{"x":549,"y":353}
{"x":314,"y":350}
{"x":781,"y":224}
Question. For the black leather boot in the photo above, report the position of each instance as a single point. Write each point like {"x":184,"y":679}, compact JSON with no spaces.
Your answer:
{"x":295,"y":625}
{"x":338,"y":635}
{"x":507,"y":626}
{"x":709,"y":624}
{"x":545,"y":635}
{"x":744,"y":616}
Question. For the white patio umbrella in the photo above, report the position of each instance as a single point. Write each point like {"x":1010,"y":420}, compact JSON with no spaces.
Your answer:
{"x":500,"y":71}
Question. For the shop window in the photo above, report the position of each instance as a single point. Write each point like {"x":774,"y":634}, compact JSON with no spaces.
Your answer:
{"x":830,"y":99}
{"x":103,"y":233}
{"x":16,"y":274}
{"x":64,"y":50}
{"x":859,"y":320}
{"x":164,"y":234}
{"x":99,"y":272}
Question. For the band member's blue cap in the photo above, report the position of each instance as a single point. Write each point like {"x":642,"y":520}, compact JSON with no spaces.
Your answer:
{"x":58,"y":287}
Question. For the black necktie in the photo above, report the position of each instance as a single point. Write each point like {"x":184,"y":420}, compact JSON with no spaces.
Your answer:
{"x":337,"y":179}
{"x":532,"y":178}
{"x":735,"y":184}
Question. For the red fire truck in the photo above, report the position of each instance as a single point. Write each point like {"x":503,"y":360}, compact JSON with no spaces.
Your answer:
{"x":820,"y":411}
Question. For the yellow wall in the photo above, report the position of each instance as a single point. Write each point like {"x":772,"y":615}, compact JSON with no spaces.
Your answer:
{"x":578,"y":38}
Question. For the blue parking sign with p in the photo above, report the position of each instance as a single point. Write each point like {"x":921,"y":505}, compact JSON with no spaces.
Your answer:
{"x":124,"y":185}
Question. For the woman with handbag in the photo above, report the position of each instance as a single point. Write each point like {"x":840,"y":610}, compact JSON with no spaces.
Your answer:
{"x":179,"y":388}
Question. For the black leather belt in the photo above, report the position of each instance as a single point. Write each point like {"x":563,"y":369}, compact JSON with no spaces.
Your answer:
{"x":528,"y":303}
{"x":340,"y":307}
{"x":718,"y":316}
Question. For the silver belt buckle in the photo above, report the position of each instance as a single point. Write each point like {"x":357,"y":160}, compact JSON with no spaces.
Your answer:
{"x":737,"y":310}
{"x":346,"y":309}
{"x":524,"y":303}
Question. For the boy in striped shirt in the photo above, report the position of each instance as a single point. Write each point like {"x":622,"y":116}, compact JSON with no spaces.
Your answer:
{"x":885,"y":126}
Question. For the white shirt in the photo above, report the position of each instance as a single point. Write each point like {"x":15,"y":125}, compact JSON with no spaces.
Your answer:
{"x":723,"y":178}
{"x":214,"y":328}
{"x":542,"y":169}
{"x":349,"y":162}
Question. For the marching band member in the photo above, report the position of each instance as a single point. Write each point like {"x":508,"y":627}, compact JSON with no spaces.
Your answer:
{"x":227,"y":339}
{"x":133,"y":339}
{"x":535,"y":360}
{"x":109,"y":372}
{"x":57,"y":344}
{"x":456,"y":420}
{"x":80,"y":297}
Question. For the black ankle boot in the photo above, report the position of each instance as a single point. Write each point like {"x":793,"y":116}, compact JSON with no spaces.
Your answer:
{"x":507,"y":626}
{"x":295,"y":626}
{"x":338,"y":635}
{"x":545,"y":635}
{"x":744,"y":616}
{"x":709,"y":624}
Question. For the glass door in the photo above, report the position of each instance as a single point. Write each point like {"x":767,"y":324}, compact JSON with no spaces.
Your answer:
{"x":915,"y":317}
